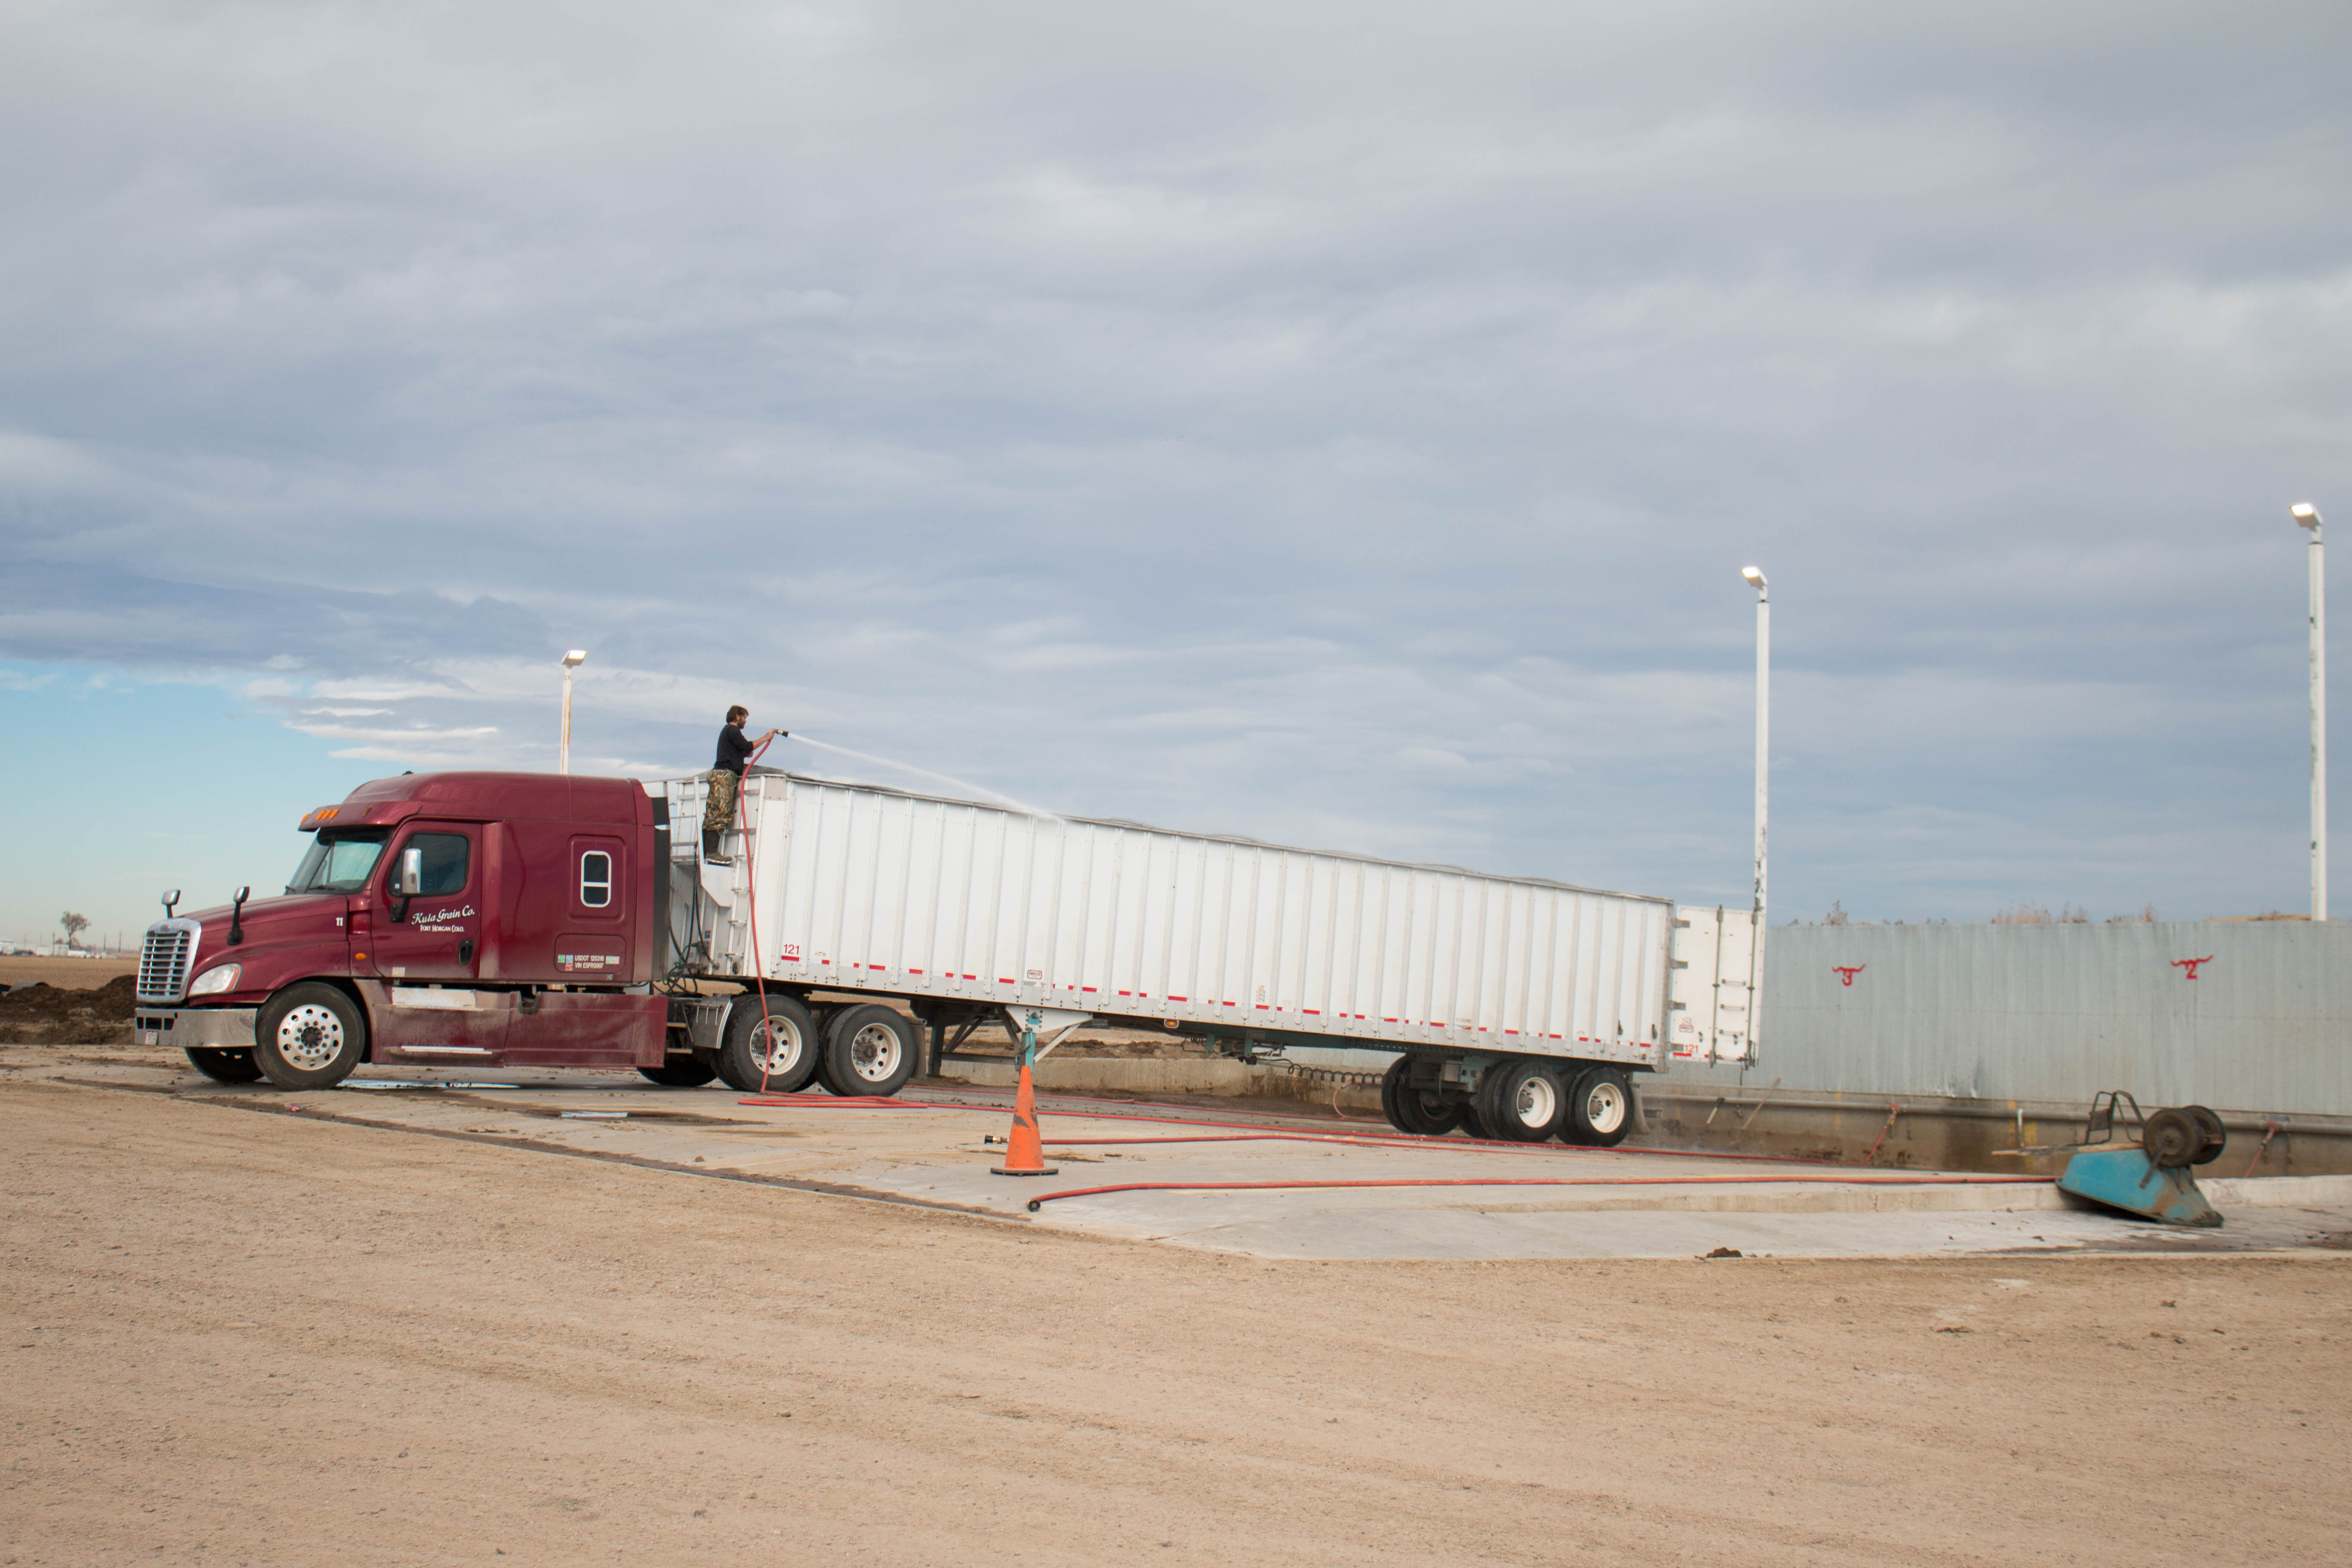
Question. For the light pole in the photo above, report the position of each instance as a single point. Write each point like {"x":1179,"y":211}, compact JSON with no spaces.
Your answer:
{"x":572,"y":662}
{"x":2306,"y":514}
{"x":1755,"y":578}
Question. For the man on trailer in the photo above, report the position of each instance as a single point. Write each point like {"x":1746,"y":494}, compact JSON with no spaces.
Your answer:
{"x":726,"y":781}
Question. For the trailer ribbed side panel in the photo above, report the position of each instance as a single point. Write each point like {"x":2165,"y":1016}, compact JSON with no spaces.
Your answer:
{"x":867,"y":889}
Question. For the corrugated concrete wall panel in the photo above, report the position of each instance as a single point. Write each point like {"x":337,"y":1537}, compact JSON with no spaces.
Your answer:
{"x":2057,"y":1013}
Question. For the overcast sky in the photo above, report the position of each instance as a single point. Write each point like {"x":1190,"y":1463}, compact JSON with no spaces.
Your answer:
{"x":1342,"y":425}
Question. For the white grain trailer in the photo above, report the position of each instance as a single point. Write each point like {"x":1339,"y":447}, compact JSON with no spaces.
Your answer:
{"x":1519,"y":1005}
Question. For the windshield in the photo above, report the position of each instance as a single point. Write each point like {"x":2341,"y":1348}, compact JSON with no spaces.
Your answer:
{"x":338,"y":862}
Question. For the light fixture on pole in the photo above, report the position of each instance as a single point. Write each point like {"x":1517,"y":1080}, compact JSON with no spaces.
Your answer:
{"x":2307,"y":515}
{"x":572,"y":662}
{"x":1755,"y":579}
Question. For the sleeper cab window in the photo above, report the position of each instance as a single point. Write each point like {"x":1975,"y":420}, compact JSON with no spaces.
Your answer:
{"x":595,"y":880}
{"x":445,"y":856}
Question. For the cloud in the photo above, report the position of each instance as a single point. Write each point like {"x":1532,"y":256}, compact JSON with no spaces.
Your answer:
{"x":1341,"y":424}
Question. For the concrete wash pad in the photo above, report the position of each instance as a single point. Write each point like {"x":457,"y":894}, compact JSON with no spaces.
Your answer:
{"x":928,"y":1149}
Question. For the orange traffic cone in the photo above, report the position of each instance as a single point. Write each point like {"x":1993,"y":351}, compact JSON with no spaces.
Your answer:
{"x":1025,"y":1154}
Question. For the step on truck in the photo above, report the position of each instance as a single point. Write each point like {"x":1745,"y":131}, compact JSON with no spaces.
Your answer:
{"x":522,"y":919}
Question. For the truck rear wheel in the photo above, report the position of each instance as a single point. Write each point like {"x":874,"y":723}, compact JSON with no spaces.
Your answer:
{"x":308,"y":1036}
{"x":774,"y":1057}
{"x":1599,"y":1109}
{"x":1413,"y":1110}
{"x":681,"y":1072}
{"x":223,"y":1067}
{"x":1521,"y":1100}
{"x":1471,"y":1122}
{"x":868,"y":1051}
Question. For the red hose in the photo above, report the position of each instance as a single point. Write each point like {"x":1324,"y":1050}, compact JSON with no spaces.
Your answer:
{"x":1035,"y":1204}
{"x":1440,"y":1142}
{"x":752,"y":893}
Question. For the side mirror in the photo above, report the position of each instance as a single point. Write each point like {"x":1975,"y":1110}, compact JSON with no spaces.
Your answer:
{"x":171,"y":897}
{"x":237,"y":917}
{"x":407,"y":882}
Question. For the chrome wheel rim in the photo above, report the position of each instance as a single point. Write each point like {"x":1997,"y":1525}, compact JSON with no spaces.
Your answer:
{"x":775,"y":1045}
{"x":874,"y":1052}
{"x":1537,"y":1102}
{"x":1604,"y":1107}
{"x":309,"y":1037}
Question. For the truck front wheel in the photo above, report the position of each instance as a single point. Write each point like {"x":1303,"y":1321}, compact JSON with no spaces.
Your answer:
{"x":222,"y":1066}
{"x":309,"y":1037}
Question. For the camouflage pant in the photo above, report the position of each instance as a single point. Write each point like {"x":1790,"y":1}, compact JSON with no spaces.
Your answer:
{"x":719,"y":808}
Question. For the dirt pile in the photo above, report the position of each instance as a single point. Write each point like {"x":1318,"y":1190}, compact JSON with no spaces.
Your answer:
{"x":39,"y":1014}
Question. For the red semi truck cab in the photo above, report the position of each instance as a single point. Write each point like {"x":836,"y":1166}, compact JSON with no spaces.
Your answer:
{"x":435,"y":919}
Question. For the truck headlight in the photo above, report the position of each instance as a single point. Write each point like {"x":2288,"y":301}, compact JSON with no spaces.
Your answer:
{"x":219,"y":977}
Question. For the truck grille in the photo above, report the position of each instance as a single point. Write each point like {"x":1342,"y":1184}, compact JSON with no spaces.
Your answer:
{"x":164,"y":960}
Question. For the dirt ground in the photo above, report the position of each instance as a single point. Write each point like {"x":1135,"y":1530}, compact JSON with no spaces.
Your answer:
{"x":85,"y":972}
{"x":238,"y":1336}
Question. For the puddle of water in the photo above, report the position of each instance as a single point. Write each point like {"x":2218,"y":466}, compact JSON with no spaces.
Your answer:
{"x":593,"y":1115}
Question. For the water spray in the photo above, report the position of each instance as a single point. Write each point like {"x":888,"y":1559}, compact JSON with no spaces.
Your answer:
{"x":964,"y":784}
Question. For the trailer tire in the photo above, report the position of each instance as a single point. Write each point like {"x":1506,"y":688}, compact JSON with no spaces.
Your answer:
{"x":789,"y":1058}
{"x":222,"y":1066}
{"x":870,"y":1050}
{"x":1410,"y":1109}
{"x":1521,"y":1100}
{"x":1472,"y":1123}
{"x":309,"y":1037}
{"x":680,"y":1072}
{"x":1599,"y":1109}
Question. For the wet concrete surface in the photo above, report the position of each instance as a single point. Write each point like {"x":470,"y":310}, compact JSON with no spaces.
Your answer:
{"x":934,"y":1147}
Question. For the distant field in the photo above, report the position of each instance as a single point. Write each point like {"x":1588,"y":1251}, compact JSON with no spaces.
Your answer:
{"x":82,"y":973}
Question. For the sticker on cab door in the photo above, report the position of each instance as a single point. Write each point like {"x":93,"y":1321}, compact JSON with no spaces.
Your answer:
{"x":588,"y":957}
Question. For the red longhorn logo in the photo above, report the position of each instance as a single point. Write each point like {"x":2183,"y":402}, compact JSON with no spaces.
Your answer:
{"x":2191,"y":963}
{"x":1845,"y":976}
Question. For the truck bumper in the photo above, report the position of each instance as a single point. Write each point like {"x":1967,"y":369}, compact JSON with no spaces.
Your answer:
{"x":221,"y":1028}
